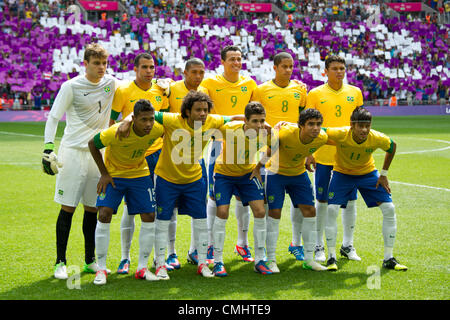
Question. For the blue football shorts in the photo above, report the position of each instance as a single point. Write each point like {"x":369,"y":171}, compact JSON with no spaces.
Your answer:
{"x":139,"y":195}
{"x":343,"y":186}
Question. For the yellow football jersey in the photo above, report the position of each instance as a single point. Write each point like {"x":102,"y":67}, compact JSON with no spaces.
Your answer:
{"x":178,"y":91}
{"x":126,"y":158}
{"x":353,"y":158}
{"x":183,"y":147}
{"x":127,"y":95}
{"x":240,"y":150}
{"x":229,"y":98}
{"x":336,"y":108}
{"x":290,"y":156}
{"x":281,"y":104}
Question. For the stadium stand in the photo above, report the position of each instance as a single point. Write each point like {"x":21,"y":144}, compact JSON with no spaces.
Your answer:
{"x":387,"y":54}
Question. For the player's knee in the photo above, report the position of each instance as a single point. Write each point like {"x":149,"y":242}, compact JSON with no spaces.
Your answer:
{"x":259,"y":212}
{"x":387,"y":208}
{"x":275,"y":213}
{"x":148,"y":217}
{"x":308,"y":211}
{"x":105,"y":214}
{"x":222,"y":212}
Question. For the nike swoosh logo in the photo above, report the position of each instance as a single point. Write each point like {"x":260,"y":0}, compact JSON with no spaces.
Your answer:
{"x":323,"y":101}
{"x":85,"y":94}
{"x":133,"y":100}
{"x":287,"y":147}
{"x":178,"y":98}
{"x":270,"y":97}
{"x":219,"y":89}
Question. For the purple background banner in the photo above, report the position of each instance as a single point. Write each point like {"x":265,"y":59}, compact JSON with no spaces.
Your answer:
{"x":37,"y":115}
{"x":433,"y":110}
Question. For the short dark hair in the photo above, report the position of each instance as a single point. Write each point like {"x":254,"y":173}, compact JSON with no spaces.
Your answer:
{"x":142,"y":105}
{"x":191,"y":98}
{"x":253,"y":107}
{"x":140,"y":56}
{"x":334,"y":58}
{"x":193,"y":61}
{"x":224,"y":51}
{"x":280,"y":56}
{"x":307,"y":114}
{"x":360,"y":114}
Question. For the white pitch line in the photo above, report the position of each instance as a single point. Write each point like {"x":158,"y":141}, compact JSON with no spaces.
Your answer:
{"x":25,"y":134}
{"x":420,"y":185}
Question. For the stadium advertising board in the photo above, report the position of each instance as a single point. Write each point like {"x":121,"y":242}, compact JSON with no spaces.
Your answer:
{"x":100,"y":5}
{"x":406,"y":6}
{"x":256,"y":7}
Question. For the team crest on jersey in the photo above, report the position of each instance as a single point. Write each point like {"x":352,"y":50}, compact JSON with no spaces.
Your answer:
{"x":160,"y":209}
{"x":271,"y":199}
{"x":312,"y":150}
{"x":350,"y":99}
{"x":107,"y":89}
{"x":158,"y":98}
{"x":244,"y":89}
{"x":331,"y":195}
{"x":218,"y":196}
{"x":297,"y":95}
{"x":102,"y":196}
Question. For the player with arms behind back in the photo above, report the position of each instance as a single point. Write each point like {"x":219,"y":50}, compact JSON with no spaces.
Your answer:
{"x":230,"y":93}
{"x":336,"y":101}
{"x":86,"y":100}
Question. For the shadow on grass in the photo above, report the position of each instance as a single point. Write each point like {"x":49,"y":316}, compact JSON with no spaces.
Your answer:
{"x":242,"y":283}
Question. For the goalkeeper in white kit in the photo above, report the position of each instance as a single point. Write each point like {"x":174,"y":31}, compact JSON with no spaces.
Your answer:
{"x":86,"y":100}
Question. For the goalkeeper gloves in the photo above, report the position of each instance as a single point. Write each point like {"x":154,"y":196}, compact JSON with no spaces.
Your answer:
{"x":50,"y":162}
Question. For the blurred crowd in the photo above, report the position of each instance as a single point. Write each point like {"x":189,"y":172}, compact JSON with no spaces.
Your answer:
{"x":329,"y":11}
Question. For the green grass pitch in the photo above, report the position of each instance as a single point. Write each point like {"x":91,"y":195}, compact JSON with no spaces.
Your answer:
{"x":420,"y":182}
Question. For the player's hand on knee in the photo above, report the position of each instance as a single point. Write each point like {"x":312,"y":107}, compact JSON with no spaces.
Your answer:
{"x":50,"y":162}
{"x":310,"y":163}
{"x":102,"y":184}
{"x":383,"y":181}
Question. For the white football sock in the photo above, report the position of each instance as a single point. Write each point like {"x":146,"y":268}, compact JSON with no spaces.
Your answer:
{"x":259,"y":237}
{"x":161,"y":236}
{"x":348,"y":223}
{"x":309,"y":237}
{"x":127,"y":226}
{"x":201,"y":239}
{"x":243,"y":223}
{"x":273,"y":226}
{"x":172,"y":233}
{"x":389,"y":228}
{"x":211,"y":211}
{"x":219,"y":238}
{"x":331,"y":229}
{"x":321,"y":217}
{"x":146,"y":239}
{"x":102,"y":243}
{"x":192,"y":245}
{"x":297,"y":221}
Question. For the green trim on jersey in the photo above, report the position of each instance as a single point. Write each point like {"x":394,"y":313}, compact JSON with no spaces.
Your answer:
{"x":391,"y":148}
{"x":226,"y":119}
{"x":159,"y":117}
{"x":98,"y":142}
{"x":114,"y":115}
